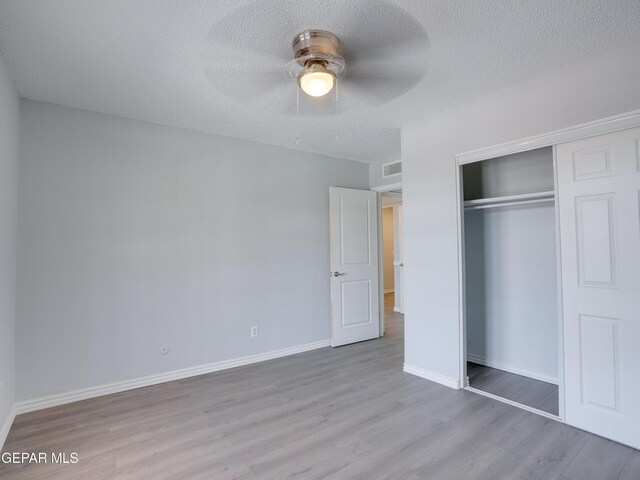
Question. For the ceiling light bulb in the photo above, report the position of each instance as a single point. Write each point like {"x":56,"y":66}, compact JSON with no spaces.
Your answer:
{"x":316,"y":80}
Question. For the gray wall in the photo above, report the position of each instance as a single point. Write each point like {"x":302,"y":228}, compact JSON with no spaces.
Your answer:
{"x":134,"y":236}
{"x":9,"y":114}
{"x":594,"y":89}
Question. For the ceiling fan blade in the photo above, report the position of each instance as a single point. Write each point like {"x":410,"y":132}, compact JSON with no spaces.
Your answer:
{"x":244,"y":82}
{"x":354,"y":98}
{"x":387,"y":52}
{"x":244,"y":29}
{"x":276,"y":98}
{"x":381,"y":82}
{"x":383,"y":87}
{"x":381,"y":30}
{"x":216,"y":53}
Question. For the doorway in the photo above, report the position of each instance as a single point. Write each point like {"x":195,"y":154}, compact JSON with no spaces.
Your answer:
{"x":357,"y":262}
{"x":391,"y":257}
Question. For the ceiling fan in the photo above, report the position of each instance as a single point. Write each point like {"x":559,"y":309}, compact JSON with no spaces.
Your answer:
{"x":373,"y":50}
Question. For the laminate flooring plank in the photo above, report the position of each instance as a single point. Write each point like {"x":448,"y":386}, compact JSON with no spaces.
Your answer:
{"x":534,"y":392}
{"x":541,"y":459}
{"x":599,"y":459}
{"x":631,"y":469}
{"x":550,"y":404}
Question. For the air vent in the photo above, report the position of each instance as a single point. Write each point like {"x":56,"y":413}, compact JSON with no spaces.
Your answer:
{"x":391,"y":169}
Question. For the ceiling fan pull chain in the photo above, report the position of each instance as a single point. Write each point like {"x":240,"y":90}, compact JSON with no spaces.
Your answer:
{"x":337,"y":124}
{"x":297,"y":114}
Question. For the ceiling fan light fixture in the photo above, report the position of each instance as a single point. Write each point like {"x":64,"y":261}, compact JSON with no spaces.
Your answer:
{"x":316,"y":80}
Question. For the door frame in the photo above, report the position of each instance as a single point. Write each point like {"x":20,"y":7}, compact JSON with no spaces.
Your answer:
{"x":380,"y":190}
{"x":464,"y":381}
{"x":551,"y":139}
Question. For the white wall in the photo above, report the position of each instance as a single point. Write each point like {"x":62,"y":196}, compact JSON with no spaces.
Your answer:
{"x":134,"y":236}
{"x":9,"y":114}
{"x":387,"y":247}
{"x":597,"y":88}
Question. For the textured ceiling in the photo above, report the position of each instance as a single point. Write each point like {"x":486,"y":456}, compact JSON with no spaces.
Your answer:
{"x":184,"y":62}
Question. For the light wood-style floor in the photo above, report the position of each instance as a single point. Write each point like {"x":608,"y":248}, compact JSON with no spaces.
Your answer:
{"x":527,"y":391}
{"x":345,"y":413}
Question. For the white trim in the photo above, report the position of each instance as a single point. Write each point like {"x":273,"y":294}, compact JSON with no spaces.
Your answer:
{"x":100,"y":390}
{"x":515,"y":404}
{"x":396,"y":309}
{"x":380,"y":264}
{"x":387,"y":187}
{"x":6,"y":426}
{"x":561,"y":377}
{"x":543,"y":377}
{"x":570,"y":134}
{"x":432,"y":376}
{"x":462,"y":307}
{"x":389,"y":290}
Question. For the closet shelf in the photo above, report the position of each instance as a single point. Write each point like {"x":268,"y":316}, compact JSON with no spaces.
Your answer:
{"x":523,"y":199}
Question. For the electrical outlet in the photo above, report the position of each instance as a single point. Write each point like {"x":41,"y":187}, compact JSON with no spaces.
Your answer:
{"x":164,"y":350}
{"x":254,"y":331}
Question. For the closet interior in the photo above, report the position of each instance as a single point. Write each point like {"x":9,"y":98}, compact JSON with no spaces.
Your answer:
{"x":511,"y":278}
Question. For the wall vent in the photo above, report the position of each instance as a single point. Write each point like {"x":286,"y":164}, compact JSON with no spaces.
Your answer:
{"x":391,"y":169}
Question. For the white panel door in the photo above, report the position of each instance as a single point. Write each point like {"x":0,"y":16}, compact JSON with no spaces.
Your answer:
{"x":354,"y":266}
{"x":598,"y":188}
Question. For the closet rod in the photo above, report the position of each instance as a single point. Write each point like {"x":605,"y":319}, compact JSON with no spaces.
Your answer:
{"x":509,"y":204}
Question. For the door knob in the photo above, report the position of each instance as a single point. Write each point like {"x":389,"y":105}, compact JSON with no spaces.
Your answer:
{"x":337,"y":274}
{"x":401,"y":264}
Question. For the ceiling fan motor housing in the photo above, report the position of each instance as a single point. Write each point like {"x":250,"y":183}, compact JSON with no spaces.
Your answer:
{"x":316,"y":48}
{"x":319,"y":42}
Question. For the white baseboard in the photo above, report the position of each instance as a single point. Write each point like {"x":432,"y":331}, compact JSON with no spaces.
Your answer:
{"x":434,"y":377}
{"x":396,"y":309}
{"x":391,"y":290}
{"x":100,"y":390}
{"x":6,"y":426}
{"x":543,"y":377}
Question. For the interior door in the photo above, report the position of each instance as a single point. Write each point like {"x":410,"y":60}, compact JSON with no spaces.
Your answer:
{"x":599,"y":186}
{"x":354,"y":266}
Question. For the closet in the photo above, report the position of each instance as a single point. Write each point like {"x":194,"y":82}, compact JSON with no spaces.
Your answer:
{"x":550,"y":273}
{"x":510,"y":258}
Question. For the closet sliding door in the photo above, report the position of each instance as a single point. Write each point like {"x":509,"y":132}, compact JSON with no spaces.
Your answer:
{"x":599,"y":195}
